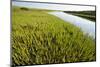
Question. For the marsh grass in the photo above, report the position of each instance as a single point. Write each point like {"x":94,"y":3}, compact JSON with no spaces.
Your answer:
{"x":40,"y":38}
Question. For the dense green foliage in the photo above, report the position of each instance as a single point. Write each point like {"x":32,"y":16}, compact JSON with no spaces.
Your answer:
{"x":91,"y":15}
{"x":41,"y":38}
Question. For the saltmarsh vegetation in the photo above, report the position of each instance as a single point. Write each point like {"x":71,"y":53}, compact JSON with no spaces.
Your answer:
{"x":40,"y":38}
{"x":90,"y":15}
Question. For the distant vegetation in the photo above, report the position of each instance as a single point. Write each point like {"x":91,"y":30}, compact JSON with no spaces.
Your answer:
{"x":24,"y":8}
{"x":41,"y":38}
{"x":91,"y":15}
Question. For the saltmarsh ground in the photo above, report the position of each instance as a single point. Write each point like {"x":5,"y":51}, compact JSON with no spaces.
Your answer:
{"x":41,"y":38}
